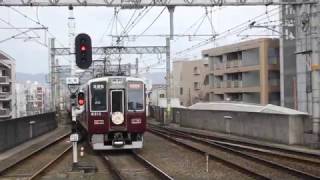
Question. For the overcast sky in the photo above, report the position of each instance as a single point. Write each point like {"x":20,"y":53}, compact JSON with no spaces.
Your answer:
{"x":33,"y":58}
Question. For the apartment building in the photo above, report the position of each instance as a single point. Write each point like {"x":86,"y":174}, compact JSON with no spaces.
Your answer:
{"x":248,"y":71}
{"x":190,"y":81}
{"x":7,"y":86}
{"x":158,"y":92}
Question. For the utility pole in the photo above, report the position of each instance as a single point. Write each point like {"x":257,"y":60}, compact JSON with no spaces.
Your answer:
{"x":168,"y":69}
{"x":171,"y":11}
{"x":137,"y":67}
{"x":52,"y":73}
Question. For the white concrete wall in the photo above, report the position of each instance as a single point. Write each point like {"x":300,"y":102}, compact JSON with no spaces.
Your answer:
{"x":271,"y":127}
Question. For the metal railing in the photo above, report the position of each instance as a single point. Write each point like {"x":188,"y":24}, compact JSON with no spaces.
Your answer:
{"x":4,"y":95}
{"x":233,"y":84}
{"x":5,"y":112}
{"x":218,"y":85}
{"x":234,"y":63}
{"x":219,"y":66}
{"x":274,"y":82}
{"x":4,"y":79}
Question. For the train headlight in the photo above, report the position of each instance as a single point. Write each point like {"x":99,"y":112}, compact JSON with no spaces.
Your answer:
{"x":117,"y":118}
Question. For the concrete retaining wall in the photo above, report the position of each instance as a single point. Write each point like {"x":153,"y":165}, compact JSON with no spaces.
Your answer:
{"x":16,"y":131}
{"x":277,"y":128}
{"x":287,"y":129}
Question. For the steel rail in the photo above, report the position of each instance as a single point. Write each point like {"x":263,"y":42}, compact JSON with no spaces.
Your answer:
{"x":40,"y":171}
{"x":156,"y":170}
{"x":255,"y":158}
{"x":293,"y":155}
{"x":230,"y":164}
{"x":33,"y":153}
{"x":115,"y":171}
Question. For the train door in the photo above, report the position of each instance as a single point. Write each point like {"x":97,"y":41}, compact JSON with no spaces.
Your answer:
{"x":117,"y":107}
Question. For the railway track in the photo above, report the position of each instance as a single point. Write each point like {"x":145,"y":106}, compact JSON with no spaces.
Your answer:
{"x":308,"y":158}
{"x":286,"y":163}
{"x":296,"y":160}
{"x":130,"y":165}
{"x":38,"y":161}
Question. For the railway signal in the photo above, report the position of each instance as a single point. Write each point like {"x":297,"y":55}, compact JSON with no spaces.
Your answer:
{"x":81,"y":99}
{"x":83,"y":50}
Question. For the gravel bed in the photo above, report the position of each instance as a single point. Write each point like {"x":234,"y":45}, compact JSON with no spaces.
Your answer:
{"x":130,"y":167}
{"x":184,"y":164}
{"x":243,"y":162}
{"x":36,"y":162}
{"x":315,"y":170}
{"x":63,"y":169}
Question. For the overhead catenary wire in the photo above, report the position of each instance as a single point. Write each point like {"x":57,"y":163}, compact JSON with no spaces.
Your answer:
{"x":37,"y":22}
{"x":224,"y":34}
{"x":153,"y":21}
{"x":22,"y":32}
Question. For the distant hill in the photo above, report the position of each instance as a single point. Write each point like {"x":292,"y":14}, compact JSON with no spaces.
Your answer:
{"x":23,"y":77}
{"x":156,"y":77}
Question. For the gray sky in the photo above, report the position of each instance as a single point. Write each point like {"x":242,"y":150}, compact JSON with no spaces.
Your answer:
{"x":33,"y":58}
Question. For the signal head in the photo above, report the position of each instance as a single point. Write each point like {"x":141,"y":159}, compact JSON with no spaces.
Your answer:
{"x":83,"y":49}
{"x":81,"y":99}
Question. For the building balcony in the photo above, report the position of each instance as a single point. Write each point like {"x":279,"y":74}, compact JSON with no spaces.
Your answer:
{"x":274,"y":82}
{"x":5,"y":96}
{"x":233,"y":84}
{"x":233,"y":64}
{"x":219,"y":66}
{"x":4,"y":80}
{"x":236,"y":84}
{"x":5,"y":113}
{"x":218,"y":85}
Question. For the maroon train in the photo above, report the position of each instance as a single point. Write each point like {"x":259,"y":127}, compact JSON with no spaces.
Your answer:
{"x":115,"y":112}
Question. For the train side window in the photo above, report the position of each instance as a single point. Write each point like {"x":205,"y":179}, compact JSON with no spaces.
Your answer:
{"x":135,"y":96}
{"x":98,"y":96}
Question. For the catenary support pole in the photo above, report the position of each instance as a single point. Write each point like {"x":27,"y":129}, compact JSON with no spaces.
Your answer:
{"x":168,"y":77}
{"x":171,"y":11}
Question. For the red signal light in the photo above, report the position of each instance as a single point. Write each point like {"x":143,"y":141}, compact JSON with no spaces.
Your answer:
{"x":81,"y":99}
{"x":81,"y":102}
{"x":83,"y":48}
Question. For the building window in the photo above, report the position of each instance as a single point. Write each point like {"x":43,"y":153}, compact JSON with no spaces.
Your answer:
{"x":196,"y":71}
{"x":206,"y":80}
{"x":181,"y":91}
{"x":161,"y":95}
{"x":3,"y":72}
{"x":6,"y":105}
{"x":5,"y":89}
{"x":196,"y":85}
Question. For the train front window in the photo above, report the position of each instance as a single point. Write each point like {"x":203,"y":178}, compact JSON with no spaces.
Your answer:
{"x":135,"y":96}
{"x":98,"y":96}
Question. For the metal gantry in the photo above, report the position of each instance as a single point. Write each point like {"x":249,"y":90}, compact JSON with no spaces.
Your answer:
{"x":107,"y":50}
{"x":143,"y":3}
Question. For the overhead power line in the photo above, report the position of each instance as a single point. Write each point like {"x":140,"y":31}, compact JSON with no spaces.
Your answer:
{"x":238,"y":28}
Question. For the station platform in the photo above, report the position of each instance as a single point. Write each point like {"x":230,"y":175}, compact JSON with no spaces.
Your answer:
{"x":16,"y":154}
{"x":295,"y":148}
